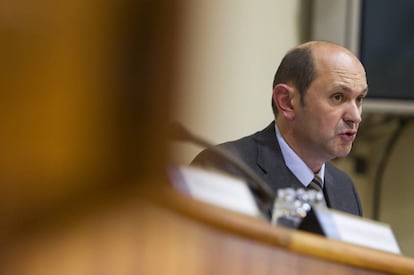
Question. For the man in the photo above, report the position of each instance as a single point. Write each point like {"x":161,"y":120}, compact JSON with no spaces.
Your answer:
{"x":317,"y":98}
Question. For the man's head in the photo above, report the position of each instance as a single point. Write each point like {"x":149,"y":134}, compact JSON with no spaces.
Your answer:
{"x":317,"y":100}
{"x":297,"y":67}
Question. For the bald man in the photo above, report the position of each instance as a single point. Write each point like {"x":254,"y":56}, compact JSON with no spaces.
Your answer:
{"x":318,"y":91}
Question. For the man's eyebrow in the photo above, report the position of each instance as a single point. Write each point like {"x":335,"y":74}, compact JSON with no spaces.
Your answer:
{"x":343,"y":88}
{"x":364,"y":91}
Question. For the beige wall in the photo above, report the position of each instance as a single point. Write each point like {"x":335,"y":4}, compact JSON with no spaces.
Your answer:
{"x":385,"y":151}
{"x":230,"y":54}
{"x":398,"y":189}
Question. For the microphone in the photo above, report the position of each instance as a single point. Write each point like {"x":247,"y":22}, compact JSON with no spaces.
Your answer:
{"x":264,"y":195}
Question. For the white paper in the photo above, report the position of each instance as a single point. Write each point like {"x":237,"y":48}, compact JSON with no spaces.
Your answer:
{"x":369,"y":233}
{"x":218,"y":189}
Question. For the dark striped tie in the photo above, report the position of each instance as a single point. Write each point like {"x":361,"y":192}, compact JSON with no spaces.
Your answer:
{"x":316,"y":184}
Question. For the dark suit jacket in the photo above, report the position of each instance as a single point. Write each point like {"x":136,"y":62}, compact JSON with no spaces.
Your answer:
{"x":261,"y":152}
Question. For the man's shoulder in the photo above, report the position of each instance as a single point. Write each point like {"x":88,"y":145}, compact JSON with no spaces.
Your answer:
{"x":248,"y":142}
{"x":336,"y":172}
{"x":241,"y":148}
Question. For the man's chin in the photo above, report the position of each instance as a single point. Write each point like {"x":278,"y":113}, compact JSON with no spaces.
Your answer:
{"x":343,"y":153}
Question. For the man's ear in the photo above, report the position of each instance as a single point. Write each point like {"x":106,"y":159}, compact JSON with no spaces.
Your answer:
{"x":282,"y":96}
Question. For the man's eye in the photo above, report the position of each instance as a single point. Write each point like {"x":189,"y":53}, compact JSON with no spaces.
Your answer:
{"x":360,"y":99}
{"x":338,"y":97}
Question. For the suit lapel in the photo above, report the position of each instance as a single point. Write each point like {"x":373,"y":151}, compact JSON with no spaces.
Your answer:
{"x":333,"y":192}
{"x":271,"y":166}
{"x":271,"y":162}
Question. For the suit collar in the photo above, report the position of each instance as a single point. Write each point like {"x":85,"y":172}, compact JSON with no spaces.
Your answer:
{"x":275,"y":172}
{"x":271,"y":167}
{"x":270,"y":160}
{"x":333,"y":191}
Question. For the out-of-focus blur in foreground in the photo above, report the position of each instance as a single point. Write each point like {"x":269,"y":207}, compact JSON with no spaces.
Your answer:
{"x":84,"y":102}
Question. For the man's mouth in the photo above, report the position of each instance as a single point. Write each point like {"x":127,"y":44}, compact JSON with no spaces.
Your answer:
{"x":348,"y":135}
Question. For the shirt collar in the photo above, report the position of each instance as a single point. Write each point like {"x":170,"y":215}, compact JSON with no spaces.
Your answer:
{"x":295,"y":164}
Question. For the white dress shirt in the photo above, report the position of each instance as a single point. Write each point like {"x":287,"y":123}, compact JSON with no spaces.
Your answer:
{"x":295,"y":164}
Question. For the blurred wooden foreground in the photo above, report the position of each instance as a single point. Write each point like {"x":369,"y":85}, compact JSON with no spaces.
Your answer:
{"x":84,"y":100}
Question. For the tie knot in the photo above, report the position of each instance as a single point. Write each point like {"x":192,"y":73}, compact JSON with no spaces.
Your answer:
{"x":316,"y":183}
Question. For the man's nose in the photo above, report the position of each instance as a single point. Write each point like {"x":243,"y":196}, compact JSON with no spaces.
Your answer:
{"x":353,"y":114}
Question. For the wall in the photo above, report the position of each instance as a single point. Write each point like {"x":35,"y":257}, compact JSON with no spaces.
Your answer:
{"x":230,"y":54}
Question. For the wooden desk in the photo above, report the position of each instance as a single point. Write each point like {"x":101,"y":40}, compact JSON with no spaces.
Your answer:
{"x":164,"y":232}
{"x":183,"y":236}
